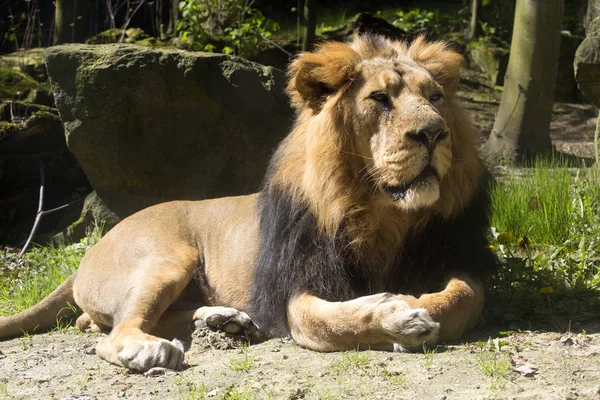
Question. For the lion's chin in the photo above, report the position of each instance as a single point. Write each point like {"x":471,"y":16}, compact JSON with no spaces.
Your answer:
{"x":421,"y":192}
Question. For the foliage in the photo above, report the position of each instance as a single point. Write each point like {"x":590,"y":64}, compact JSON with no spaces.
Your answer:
{"x":434,"y":23}
{"x":547,"y":236}
{"x":27,"y":281}
{"x":229,"y":26}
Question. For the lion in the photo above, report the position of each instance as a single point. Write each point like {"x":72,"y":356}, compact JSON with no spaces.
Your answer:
{"x":370,"y":228}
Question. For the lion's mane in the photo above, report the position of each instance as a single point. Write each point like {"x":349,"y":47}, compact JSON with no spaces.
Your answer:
{"x":319,"y":229}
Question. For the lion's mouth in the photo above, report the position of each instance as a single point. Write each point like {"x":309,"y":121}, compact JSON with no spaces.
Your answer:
{"x":399,"y":192}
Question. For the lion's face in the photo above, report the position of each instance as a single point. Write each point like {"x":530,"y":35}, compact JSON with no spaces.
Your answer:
{"x":396,"y":112}
{"x":378,"y":126}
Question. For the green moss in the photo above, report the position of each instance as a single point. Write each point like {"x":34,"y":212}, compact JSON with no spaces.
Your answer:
{"x":6,"y":128}
{"x":108,"y":36}
{"x":150,"y":42}
{"x":15,"y":84}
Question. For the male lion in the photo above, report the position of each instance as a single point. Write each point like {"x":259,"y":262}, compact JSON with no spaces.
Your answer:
{"x":377,"y":195}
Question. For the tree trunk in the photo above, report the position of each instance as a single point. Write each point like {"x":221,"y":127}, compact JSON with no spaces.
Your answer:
{"x":522,"y":126}
{"x":71,"y":22}
{"x":173,"y":17}
{"x":310,"y":24}
{"x":474,"y":27}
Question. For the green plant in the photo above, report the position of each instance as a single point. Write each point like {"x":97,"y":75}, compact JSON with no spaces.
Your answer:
{"x":243,"y":365}
{"x":417,"y":21}
{"x":4,"y":391}
{"x":546,"y":234}
{"x":84,"y":380}
{"x":231,"y":26}
{"x":28,"y":280}
{"x":493,"y":363}
{"x":234,"y":393}
{"x":350,"y":359}
{"x":429,"y":354}
{"x":190,"y":390}
{"x":394,"y":377}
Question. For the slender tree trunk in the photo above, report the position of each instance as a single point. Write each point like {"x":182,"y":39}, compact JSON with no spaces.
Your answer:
{"x":522,"y":126}
{"x":474,"y":27}
{"x":173,"y":17}
{"x":71,"y":21}
{"x":310,"y":24}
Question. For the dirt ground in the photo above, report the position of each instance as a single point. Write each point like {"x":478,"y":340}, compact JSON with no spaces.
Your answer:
{"x":554,"y":365}
{"x":560,"y":364}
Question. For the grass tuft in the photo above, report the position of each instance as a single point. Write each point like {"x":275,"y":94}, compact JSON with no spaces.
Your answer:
{"x":28,"y":280}
{"x":546,"y":233}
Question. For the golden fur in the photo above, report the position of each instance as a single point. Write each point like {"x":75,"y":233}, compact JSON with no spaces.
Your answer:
{"x":319,"y":162}
{"x":380,"y":148}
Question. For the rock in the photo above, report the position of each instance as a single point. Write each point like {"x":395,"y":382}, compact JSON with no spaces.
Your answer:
{"x":152,"y":125}
{"x":566,"y":85}
{"x":587,"y":63}
{"x":94,"y":215}
{"x":41,"y":96}
{"x":489,"y":59}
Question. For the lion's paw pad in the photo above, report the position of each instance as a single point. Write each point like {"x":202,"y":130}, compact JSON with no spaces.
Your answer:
{"x":228,"y":320}
{"x":143,"y":355}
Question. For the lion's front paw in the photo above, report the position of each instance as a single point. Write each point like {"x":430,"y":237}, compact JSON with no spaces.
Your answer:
{"x":410,"y":327}
{"x":141,"y":355}
{"x":228,"y":320}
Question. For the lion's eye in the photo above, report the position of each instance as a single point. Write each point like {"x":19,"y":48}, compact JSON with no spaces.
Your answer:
{"x":381,"y":97}
{"x":435,"y":97}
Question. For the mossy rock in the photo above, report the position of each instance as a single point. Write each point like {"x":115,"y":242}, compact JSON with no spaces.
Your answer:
{"x":14,"y":84}
{"x":587,"y":63}
{"x":489,"y":59}
{"x":151,"y":125}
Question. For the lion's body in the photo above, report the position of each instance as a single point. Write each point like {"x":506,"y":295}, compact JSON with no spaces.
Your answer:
{"x":370,"y":228}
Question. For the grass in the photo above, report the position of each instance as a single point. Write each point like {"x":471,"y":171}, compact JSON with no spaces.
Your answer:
{"x":190,"y":390}
{"x":243,"y":365}
{"x":493,"y":364}
{"x":546,"y":233}
{"x":27,"y":281}
{"x":350,"y":359}
{"x":396,"y":378}
{"x":429,"y":354}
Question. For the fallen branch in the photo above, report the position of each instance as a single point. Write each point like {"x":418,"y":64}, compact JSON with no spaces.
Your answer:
{"x":41,"y":212}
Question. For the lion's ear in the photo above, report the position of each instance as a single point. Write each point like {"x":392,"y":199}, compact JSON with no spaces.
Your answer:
{"x":441,"y":62}
{"x":315,"y":75}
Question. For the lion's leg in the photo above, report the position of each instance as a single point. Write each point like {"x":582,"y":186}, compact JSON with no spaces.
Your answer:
{"x":378,"y":321}
{"x":157,"y":287}
{"x":457,"y":308}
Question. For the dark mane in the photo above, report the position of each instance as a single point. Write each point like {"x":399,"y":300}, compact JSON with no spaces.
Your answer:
{"x":294,"y":258}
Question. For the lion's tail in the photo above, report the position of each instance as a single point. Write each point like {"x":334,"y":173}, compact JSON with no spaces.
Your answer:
{"x":43,"y":315}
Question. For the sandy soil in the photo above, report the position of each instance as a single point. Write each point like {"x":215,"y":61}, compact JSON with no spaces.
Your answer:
{"x":62,"y":365}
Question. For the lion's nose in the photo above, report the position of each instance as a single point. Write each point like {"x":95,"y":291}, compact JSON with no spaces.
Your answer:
{"x":428,"y":135}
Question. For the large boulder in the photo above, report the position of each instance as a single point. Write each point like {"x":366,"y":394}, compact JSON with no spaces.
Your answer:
{"x":587,"y":57}
{"x":151,"y":125}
